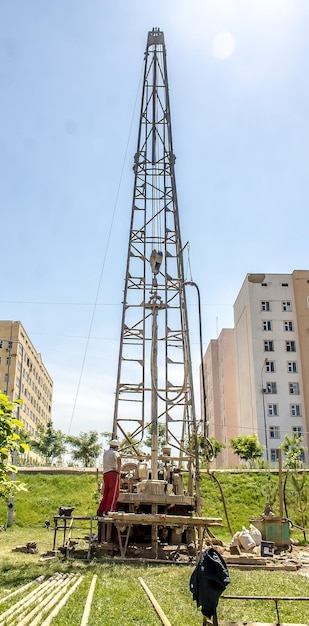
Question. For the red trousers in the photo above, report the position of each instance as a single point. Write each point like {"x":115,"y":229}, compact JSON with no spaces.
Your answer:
{"x":110,"y":493}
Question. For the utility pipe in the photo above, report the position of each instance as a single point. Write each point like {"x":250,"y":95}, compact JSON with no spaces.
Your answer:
{"x":62,"y":603}
{"x":86,"y":613}
{"x":155,"y":604}
{"x":28,"y":602}
{"x":29,"y":598}
{"x":47,"y":603}
{"x":21,"y":589}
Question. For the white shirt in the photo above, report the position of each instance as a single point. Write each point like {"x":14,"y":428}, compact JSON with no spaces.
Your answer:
{"x":110,"y":460}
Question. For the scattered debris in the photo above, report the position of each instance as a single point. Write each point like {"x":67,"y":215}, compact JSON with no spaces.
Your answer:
{"x":246,"y":539}
{"x":28,"y":548}
{"x":293,"y":559}
{"x":49,"y":555}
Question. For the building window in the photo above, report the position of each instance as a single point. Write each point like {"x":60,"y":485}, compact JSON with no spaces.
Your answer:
{"x":272,"y":409}
{"x":268,"y":346}
{"x":20,"y":349}
{"x":290,"y":346}
{"x":287,"y":305}
{"x":265,"y":304}
{"x":296,"y":410}
{"x":288,"y":326}
{"x":270,"y":366}
{"x":1,"y":343}
{"x":6,"y":378}
{"x":19,"y":366}
{"x":271,"y":387}
{"x":267,"y":325}
{"x":274,"y":455}
{"x":8,"y":360}
{"x":274,"y":432}
{"x":298,"y":430}
{"x":292,"y":367}
{"x":10,"y":344}
{"x":294,"y":388}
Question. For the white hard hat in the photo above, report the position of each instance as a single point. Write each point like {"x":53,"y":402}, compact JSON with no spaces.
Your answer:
{"x":114,"y":443}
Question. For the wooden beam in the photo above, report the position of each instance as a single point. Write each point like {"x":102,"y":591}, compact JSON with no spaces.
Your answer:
{"x":87,"y":609}
{"x":155,"y":604}
{"x":62,"y":603}
{"x":222,"y":623}
{"x":162,"y":519}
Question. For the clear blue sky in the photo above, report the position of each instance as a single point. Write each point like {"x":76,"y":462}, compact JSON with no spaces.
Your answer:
{"x":70,"y":75}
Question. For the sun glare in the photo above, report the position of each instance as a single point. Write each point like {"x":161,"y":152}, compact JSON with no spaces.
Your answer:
{"x":223,"y":46}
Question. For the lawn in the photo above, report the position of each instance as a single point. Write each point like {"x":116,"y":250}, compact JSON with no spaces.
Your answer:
{"x":244,"y":495}
{"x":119,"y":598}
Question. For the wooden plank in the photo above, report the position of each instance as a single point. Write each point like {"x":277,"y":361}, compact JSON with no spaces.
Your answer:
{"x":286,"y":598}
{"x":165,"y":621}
{"x":223,"y":623}
{"x":265,"y":566}
{"x":87,"y":609}
{"x":163,"y":520}
{"x":262,"y":562}
{"x":244,"y":559}
{"x":62,"y":603}
{"x":146,"y":518}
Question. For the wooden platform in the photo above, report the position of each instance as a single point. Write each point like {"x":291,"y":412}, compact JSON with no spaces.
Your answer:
{"x":123,"y":523}
{"x":163,"y":520}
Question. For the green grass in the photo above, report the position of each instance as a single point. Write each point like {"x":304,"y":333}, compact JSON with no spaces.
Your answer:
{"x":47,"y":492}
{"x":245,"y":496}
{"x":119,"y":598}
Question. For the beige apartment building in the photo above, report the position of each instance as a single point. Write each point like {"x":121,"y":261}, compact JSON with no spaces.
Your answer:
{"x":267,"y":365}
{"x":221,"y":404}
{"x":23,"y":375}
{"x":271,"y":317}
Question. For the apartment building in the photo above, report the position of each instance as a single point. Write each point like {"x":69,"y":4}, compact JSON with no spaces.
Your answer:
{"x":271,"y":321}
{"x":221,"y":404}
{"x":23,"y":375}
{"x":257,"y":374}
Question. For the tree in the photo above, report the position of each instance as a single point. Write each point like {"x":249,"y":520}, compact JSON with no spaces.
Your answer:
{"x":217,"y":446}
{"x":293,"y":451}
{"x":162,"y":438}
{"x":10,"y":443}
{"x":300,"y":496}
{"x":128,"y":444}
{"x":49,"y":442}
{"x":86,"y":447}
{"x":247,"y":447}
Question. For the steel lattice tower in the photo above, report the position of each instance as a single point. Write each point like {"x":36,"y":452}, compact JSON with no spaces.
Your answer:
{"x":154,"y":379}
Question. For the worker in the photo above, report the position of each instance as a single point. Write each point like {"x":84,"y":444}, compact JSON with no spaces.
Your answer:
{"x":111,"y":478}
